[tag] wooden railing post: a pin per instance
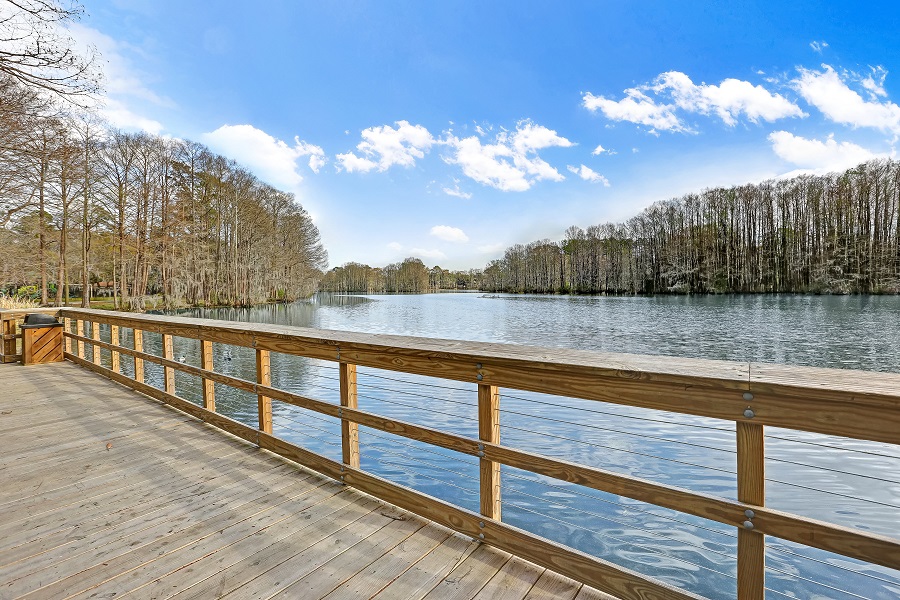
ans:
(751, 480)
(349, 429)
(8, 330)
(138, 362)
(206, 363)
(264, 377)
(114, 340)
(67, 341)
(168, 372)
(95, 335)
(489, 431)
(79, 329)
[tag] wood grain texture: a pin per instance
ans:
(79, 330)
(831, 401)
(138, 362)
(349, 429)
(209, 388)
(114, 342)
(67, 328)
(95, 336)
(168, 371)
(751, 480)
(489, 431)
(264, 377)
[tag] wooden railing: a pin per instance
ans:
(837, 402)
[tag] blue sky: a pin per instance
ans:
(450, 130)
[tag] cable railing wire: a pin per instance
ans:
(628, 525)
(620, 505)
(615, 414)
(830, 447)
(595, 445)
(635, 544)
(819, 583)
(597, 427)
(782, 550)
(434, 385)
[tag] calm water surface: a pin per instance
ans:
(845, 481)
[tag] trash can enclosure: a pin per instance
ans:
(42, 338)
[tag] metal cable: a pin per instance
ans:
(614, 414)
(812, 489)
(641, 435)
(651, 550)
(416, 382)
(821, 445)
(681, 462)
(824, 585)
(432, 465)
(618, 504)
(454, 415)
(630, 526)
(441, 481)
(370, 431)
(800, 464)
(820, 561)
(375, 387)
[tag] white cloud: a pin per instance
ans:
(636, 107)
(396, 246)
(423, 253)
(383, 147)
(511, 163)
(829, 92)
(818, 46)
(675, 91)
(271, 159)
(491, 248)
(589, 174)
(456, 192)
(449, 234)
(601, 150)
(820, 156)
(121, 117)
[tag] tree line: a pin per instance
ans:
(837, 233)
(82, 203)
(832, 234)
(410, 276)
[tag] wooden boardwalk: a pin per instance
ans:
(105, 493)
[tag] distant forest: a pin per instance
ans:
(830, 234)
(136, 216)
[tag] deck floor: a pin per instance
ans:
(106, 493)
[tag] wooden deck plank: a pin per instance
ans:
(344, 566)
(246, 551)
(380, 573)
(243, 572)
(140, 526)
(472, 574)
(178, 509)
(425, 574)
(512, 582)
(553, 586)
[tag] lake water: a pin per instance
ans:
(845, 481)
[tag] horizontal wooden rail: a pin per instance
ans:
(836, 402)
(830, 401)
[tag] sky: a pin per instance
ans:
(449, 130)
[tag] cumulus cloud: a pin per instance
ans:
(424, 253)
(818, 155)
(589, 174)
(385, 146)
(601, 150)
(449, 234)
(656, 104)
(511, 162)
(121, 117)
(830, 93)
(271, 159)
(818, 46)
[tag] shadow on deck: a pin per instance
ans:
(107, 493)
